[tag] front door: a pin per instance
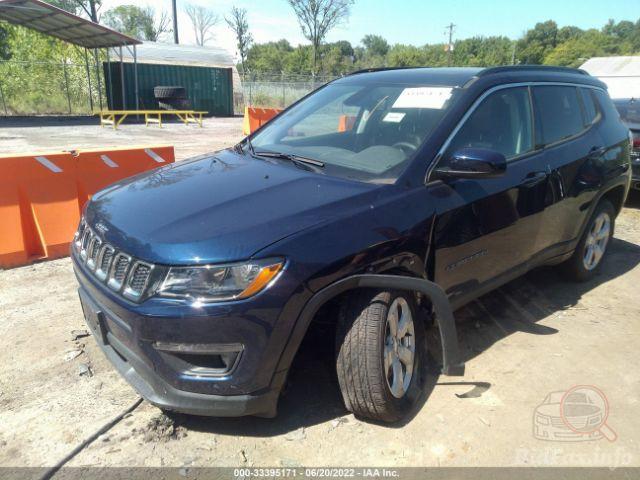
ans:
(486, 228)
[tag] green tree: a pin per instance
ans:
(269, 57)
(319, 17)
(137, 22)
(237, 21)
(90, 8)
(375, 45)
(537, 42)
(483, 51)
(406, 56)
(5, 51)
(575, 51)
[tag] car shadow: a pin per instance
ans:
(312, 395)
(633, 200)
(520, 305)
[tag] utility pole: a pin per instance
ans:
(175, 22)
(450, 27)
(513, 53)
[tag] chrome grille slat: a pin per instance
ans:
(121, 272)
(92, 252)
(104, 262)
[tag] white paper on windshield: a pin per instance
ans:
(423, 97)
(394, 117)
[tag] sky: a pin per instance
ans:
(414, 22)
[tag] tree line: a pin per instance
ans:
(545, 43)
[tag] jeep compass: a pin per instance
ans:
(393, 196)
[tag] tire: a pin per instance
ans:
(578, 267)
(169, 92)
(363, 335)
(182, 104)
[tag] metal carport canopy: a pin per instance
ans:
(50, 20)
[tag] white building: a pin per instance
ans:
(621, 74)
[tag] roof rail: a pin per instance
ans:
(380, 69)
(543, 68)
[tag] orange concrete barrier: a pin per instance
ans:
(42, 195)
(98, 168)
(254, 118)
(38, 207)
(346, 123)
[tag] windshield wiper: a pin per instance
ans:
(238, 146)
(297, 159)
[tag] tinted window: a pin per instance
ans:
(559, 113)
(502, 123)
(590, 110)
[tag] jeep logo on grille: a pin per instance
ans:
(101, 227)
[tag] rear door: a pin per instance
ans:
(486, 227)
(566, 115)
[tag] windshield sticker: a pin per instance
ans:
(394, 117)
(423, 97)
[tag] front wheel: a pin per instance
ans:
(592, 247)
(380, 354)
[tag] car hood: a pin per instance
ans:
(218, 208)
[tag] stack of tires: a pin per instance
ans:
(172, 98)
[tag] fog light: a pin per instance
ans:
(201, 360)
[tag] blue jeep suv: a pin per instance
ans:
(394, 196)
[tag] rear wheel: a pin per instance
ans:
(380, 354)
(590, 252)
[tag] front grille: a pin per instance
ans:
(122, 273)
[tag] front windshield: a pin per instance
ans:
(365, 131)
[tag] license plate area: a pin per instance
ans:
(94, 318)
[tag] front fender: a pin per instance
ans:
(452, 363)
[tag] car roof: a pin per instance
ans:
(460, 76)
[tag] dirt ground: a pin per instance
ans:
(534, 336)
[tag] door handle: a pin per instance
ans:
(597, 152)
(533, 178)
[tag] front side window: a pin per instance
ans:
(559, 113)
(364, 131)
(502, 122)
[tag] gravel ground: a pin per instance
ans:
(533, 336)
(46, 135)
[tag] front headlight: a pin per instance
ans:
(215, 283)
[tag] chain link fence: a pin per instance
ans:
(42, 88)
(275, 90)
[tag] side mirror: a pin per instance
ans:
(473, 163)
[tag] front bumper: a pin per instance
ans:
(160, 393)
(130, 335)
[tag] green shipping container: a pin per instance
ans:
(210, 89)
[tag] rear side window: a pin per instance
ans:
(607, 106)
(502, 122)
(559, 113)
(590, 110)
